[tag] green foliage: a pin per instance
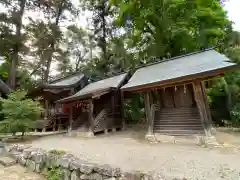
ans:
(235, 115)
(57, 152)
(54, 173)
(19, 112)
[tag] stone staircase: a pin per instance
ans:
(178, 121)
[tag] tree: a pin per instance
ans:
(169, 28)
(12, 21)
(19, 112)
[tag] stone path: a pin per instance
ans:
(11, 171)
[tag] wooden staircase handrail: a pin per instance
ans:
(100, 117)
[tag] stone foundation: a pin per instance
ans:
(194, 140)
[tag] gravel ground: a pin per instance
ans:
(127, 151)
(18, 172)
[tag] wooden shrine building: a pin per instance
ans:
(99, 105)
(55, 115)
(175, 97)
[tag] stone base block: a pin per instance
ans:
(165, 138)
(150, 137)
(90, 134)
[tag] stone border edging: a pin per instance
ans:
(73, 168)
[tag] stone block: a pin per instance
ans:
(95, 176)
(30, 165)
(67, 174)
(132, 176)
(10, 148)
(76, 164)
(7, 161)
(15, 154)
(84, 177)
(51, 160)
(107, 170)
(66, 160)
(75, 175)
(22, 160)
(39, 157)
(111, 178)
(39, 167)
(27, 152)
(165, 138)
(87, 168)
(146, 177)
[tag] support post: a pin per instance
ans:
(113, 124)
(201, 106)
(70, 114)
(90, 117)
(122, 110)
(148, 114)
(207, 107)
(45, 114)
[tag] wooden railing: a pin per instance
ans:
(100, 122)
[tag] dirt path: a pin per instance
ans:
(126, 151)
(17, 172)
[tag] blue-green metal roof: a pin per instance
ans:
(179, 67)
(98, 87)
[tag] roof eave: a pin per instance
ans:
(205, 75)
(85, 96)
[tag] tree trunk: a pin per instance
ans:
(104, 44)
(52, 45)
(14, 61)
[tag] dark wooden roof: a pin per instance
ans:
(68, 81)
(4, 88)
(97, 88)
(188, 67)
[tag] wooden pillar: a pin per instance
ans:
(201, 106)
(70, 118)
(122, 110)
(45, 114)
(90, 118)
(70, 113)
(113, 124)
(206, 104)
(148, 113)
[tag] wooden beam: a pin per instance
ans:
(201, 106)
(90, 118)
(148, 112)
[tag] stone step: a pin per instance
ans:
(7, 161)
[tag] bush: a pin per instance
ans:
(235, 115)
(54, 173)
(19, 113)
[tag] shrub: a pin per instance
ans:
(54, 173)
(19, 113)
(235, 115)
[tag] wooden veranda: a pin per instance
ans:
(99, 105)
(175, 95)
